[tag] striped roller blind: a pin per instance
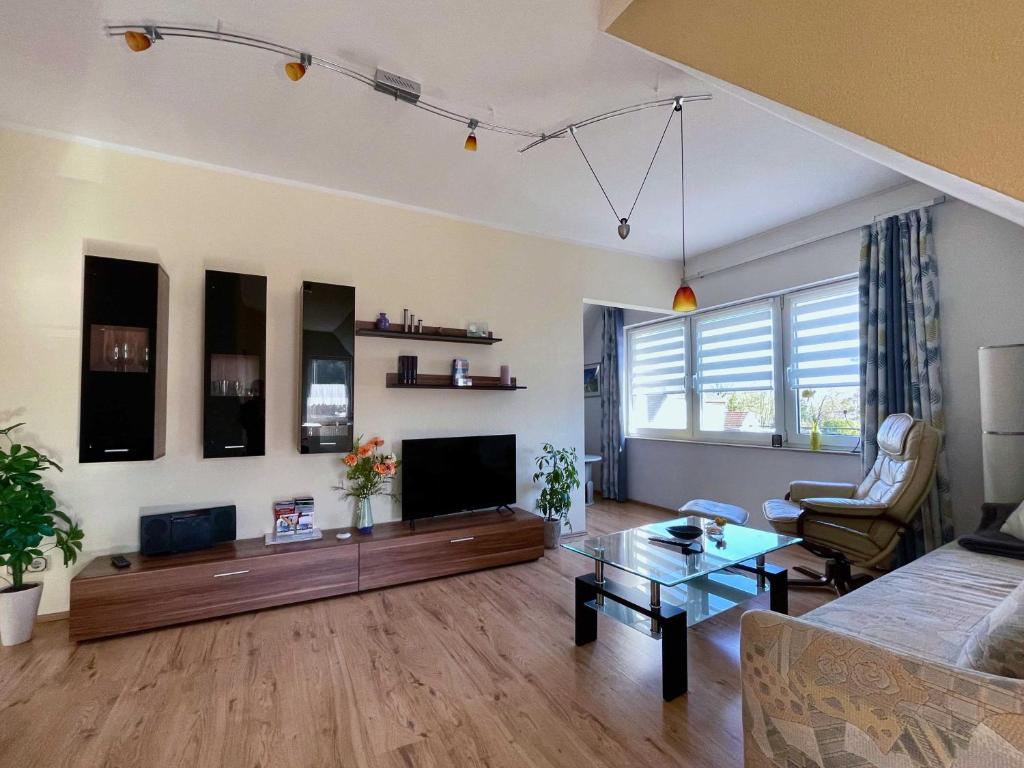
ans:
(658, 359)
(734, 350)
(826, 340)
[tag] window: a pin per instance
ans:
(777, 365)
(735, 370)
(824, 365)
(657, 379)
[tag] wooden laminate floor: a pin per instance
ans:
(471, 670)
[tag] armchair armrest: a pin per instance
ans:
(844, 507)
(803, 682)
(805, 489)
(994, 514)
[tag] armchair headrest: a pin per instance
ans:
(893, 433)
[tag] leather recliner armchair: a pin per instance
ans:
(861, 524)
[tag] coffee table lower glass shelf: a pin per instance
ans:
(682, 589)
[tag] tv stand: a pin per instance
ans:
(507, 509)
(246, 575)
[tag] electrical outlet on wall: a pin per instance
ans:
(39, 564)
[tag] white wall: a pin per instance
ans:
(981, 271)
(58, 198)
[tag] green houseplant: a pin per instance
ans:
(557, 468)
(28, 517)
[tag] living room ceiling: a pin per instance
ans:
(533, 64)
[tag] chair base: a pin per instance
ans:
(837, 577)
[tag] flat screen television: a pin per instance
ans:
(454, 474)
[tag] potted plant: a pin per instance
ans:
(369, 474)
(557, 467)
(28, 516)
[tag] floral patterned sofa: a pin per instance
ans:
(888, 675)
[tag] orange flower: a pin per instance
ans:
(350, 460)
(380, 469)
(390, 467)
(377, 441)
(365, 450)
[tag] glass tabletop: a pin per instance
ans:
(634, 552)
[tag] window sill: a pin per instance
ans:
(796, 448)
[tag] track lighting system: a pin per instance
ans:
(141, 37)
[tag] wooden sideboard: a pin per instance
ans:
(247, 575)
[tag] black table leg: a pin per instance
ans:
(673, 657)
(778, 589)
(586, 617)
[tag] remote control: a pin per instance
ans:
(120, 561)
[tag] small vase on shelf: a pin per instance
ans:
(364, 515)
(382, 322)
(815, 438)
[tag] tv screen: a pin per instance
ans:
(455, 474)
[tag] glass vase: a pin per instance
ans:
(815, 438)
(364, 515)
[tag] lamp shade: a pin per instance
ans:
(1001, 380)
(685, 299)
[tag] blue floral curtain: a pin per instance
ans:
(613, 436)
(901, 361)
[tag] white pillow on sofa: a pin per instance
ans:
(1014, 524)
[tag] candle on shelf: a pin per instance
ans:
(506, 376)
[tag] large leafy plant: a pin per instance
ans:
(557, 467)
(28, 512)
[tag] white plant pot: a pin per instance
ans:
(18, 614)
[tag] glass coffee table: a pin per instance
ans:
(683, 589)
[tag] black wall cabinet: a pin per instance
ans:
(234, 406)
(328, 356)
(124, 361)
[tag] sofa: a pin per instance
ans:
(912, 669)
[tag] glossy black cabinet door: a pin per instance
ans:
(328, 358)
(124, 361)
(234, 375)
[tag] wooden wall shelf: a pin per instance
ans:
(430, 333)
(444, 381)
(246, 575)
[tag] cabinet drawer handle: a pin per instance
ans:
(116, 450)
(230, 573)
(464, 538)
(228, 447)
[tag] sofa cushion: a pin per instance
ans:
(1014, 525)
(996, 644)
(928, 607)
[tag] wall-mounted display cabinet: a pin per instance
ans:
(234, 371)
(123, 402)
(328, 358)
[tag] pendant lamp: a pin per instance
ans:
(685, 299)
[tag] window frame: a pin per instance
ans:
(793, 436)
(665, 434)
(787, 405)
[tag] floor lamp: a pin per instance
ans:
(1001, 372)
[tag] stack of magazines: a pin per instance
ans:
(293, 521)
(407, 365)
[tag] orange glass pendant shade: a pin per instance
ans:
(470, 145)
(137, 41)
(295, 70)
(685, 299)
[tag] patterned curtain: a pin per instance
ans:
(613, 436)
(900, 358)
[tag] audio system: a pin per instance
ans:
(185, 531)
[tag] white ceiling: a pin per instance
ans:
(532, 63)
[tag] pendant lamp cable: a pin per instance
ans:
(650, 165)
(682, 186)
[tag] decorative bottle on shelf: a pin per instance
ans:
(382, 322)
(815, 437)
(364, 515)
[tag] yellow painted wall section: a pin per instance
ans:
(937, 81)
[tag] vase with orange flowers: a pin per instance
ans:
(370, 473)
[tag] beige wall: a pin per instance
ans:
(58, 199)
(935, 81)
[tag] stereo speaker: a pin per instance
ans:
(186, 531)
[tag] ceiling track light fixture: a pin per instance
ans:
(685, 300)
(470, 145)
(296, 70)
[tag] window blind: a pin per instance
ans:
(826, 341)
(658, 359)
(735, 350)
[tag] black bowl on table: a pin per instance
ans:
(685, 532)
